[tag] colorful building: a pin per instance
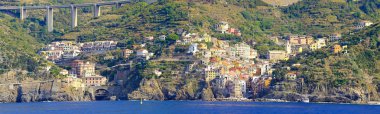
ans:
(337, 48)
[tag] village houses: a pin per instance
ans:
(58, 50)
(68, 49)
(98, 46)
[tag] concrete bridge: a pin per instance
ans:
(74, 10)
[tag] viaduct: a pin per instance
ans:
(74, 10)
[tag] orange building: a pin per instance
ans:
(337, 48)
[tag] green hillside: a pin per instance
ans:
(18, 49)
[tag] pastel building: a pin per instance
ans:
(363, 24)
(193, 48)
(127, 53)
(222, 26)
(276, 55)
(335, 37)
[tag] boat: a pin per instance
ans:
(141, 102)
(305, 100)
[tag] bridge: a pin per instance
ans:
(98, 92)
(74, 10)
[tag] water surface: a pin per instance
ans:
(183, 107)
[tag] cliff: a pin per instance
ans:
(35, 91)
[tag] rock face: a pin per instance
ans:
(153, 89)
(208, 95)
(40, 91)
(344, 94)
(149, 89)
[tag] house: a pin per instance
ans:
(149, 38)
(193, 48)
(71, 54)
(52, 55)
(95, 80)
(297, 49)
(98, 46)
(318, 44)
(222, 26)
(293, 39)
(157, 72)
(363, 24)
(74, 82)
(64, 72)
(253, 54)
(62, 45)
(143, 53)
(291, 76)
(211, 72)
(337, 48)
(206, 37)
(243, 85)
(242, 50)
(300, 40)
(233, 31)
(335, 37)
(81, 68)
(86, 71)
(237, 93)
(276, 55)
(162, 37)
(127, 53)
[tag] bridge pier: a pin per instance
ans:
(118, 5)
(23, 13)
(74, 16)
(96, 10)
(49, 18)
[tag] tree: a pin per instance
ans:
(173, 37)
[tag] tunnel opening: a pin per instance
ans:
(101, 94)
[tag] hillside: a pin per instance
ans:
(18, 49)
(352, 75)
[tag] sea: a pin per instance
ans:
(184, 107)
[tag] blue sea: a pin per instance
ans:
(183, 107)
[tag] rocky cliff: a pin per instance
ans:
(36, 91)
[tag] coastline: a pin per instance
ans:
(216, 100)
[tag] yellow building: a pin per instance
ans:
(210, 75)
